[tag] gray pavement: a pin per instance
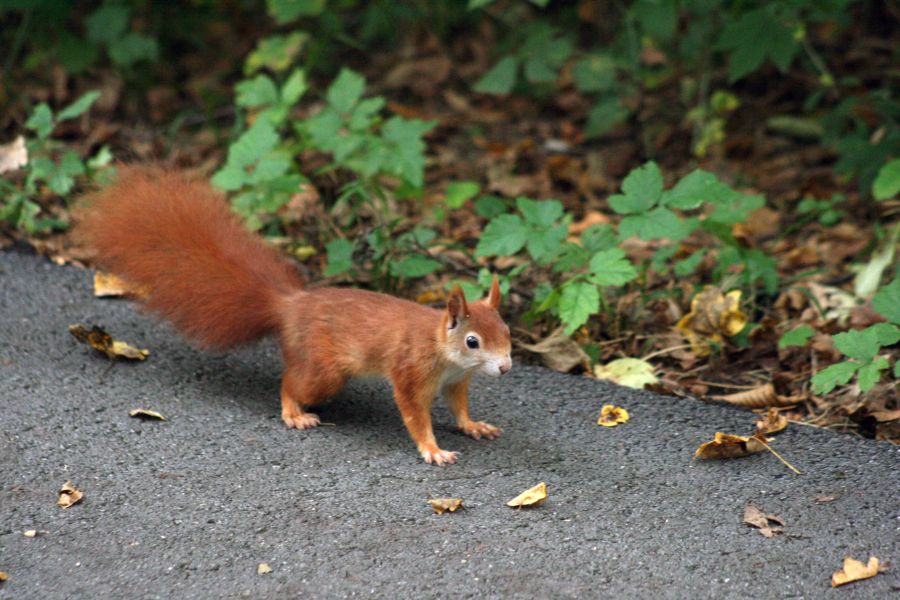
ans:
(190, 507)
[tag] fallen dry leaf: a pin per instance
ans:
(101, 341)
(442, 505)
(13, 155)
(772, 422)
(531, 497)
(68, 495)
(757, 518)
(630, 372)
(712, 316)
(263, 568)
(30, 533)
(610, 416)
(4, 576)
(824, 499)
(854, 570)
(107, 285)
(143, 413)
(758, 397)
(560, 352)
(725, 445)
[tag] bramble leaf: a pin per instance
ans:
(500, 79)
(641, 190)
(837, 374)
(340, 257)
(870, 374)
(78, 107)
(503, 236)
(887, 183)
(578, 301)
(887, 301)
(611, 267)
(796, 337)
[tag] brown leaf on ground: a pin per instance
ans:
(757, 518)
(143, 413)
(442, 505)
(854, 570)
(560, 352)
(107, 285)
(712, 316)
(13, 155)
(824, 499)
(263, 568)
(68, 495)
(102, 342)
(725, 445)
(759, 397)
(772, 422)
(3, 576)
(530, 498)
(610, 416)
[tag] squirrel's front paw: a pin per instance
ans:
(439, 457)
(302, 420)
(480, 429)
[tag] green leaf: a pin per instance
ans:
(285, 11)
(687, 266)
(864, 344)
(276, 52)
(611, 267)
(571, 257)
(505, 235)
(133, 47)
(102, 158)
(757, 34)
(837, 374)
(693, 190)
(107, 23)
(346, 90)
(870, 374)
(761, 266)
(641, 190)
(656, 18)
(78, 107)
(596, 73)
(887, 301)
(735, 208)
(599, 237)
(544, 243)
(474, 4)
(340, 257)
(41, 120)
(259, 91)
(605, 114)
(897, 369)
(294, 87)
(253, 144)
(407, 150)
(578, 301)
(659, 223)
(542, 213)
(414, 266)
(459, 192)
(500, 79)
(489, 207)
(796, 337)
(887, 183)
(230, 178)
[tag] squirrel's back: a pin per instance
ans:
(177, 239)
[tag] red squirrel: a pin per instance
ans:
(176, 238)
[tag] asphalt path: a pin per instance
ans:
(190, 507)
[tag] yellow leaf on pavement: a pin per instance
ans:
(442, 505)
(68, 495)
(630, 372)
(610, 416)
(712, 316)
(854, 570)
(530, 497)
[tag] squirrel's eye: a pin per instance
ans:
(472, 342)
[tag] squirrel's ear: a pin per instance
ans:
(493, 297)
(456, 306)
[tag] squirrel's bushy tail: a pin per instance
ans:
(177, 239)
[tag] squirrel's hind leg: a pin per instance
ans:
(303, 387)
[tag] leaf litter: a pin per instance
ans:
(854, 570)
(611, 415)
(443, 505)
(530, 498)
(102, 342)
(757, 518)
(69, 495)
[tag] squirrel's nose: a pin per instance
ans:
(505, 367)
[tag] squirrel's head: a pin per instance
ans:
(477, 338)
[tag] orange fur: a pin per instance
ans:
(221, 286)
